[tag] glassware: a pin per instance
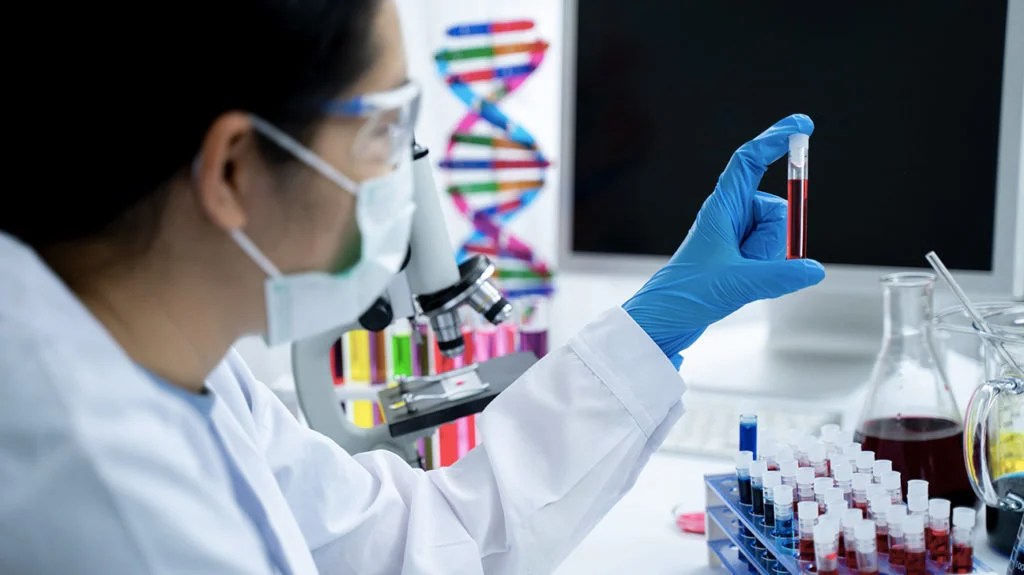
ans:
(994, 445)
(910, 416)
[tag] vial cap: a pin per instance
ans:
(891, 480)
(757, 468)
(805, 475)
(768, 451)
(964, 517)
(824, 531)
(783, 452)
(851, 448)
(817, 452)
(788, 467)
(850, 517)
(861, 481)
(783, 494)
(896, 514)
(842, 471)
(772, 479)
(748, 417)
(834, 494)
(914, 525)
(807, 510)
(917, 504)
(798, 144)
(864, 530)
(881, 466)
(876, 491)
(821, 484)
(865, 459)
(743, 459)
(938, 508)
(917, 487)
(830, 432)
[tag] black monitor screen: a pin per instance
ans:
(905, 96)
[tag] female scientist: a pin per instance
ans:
(207, 170)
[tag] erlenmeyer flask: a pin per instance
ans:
(910, 416)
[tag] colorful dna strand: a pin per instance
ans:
(494, 166)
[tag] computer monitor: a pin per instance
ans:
(919, 115)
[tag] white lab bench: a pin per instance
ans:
(639, 535)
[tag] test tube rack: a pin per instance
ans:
(760, 553)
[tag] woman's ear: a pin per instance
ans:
(226, 162)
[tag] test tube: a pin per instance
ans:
(913, 540)
(860, 484)
(936, 535)
(796, 244)
(879, 467)
(748, 433)
(808, 512)
(867, 552)
(772, 479)
(743, 459)
(817, 457)
(850, 450)
(896, 515)
(804, 485)
(865, 462)
(784, 531)
(963, 540)
(803, 450)
(843, 475)
(757, 487)
(893, 486)
(880, 513)
(820, 485)
(784, 452)
(788, 469)
(850, 519)
(769, 454)
(917, 487)
(834, 500)
(826, 552)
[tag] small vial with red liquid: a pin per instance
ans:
(796, 238)
(788, 469)
(743, 460)
(867, 553)
(897, 545)
(861, 481)
(830, 435)
(879, 512)
(913, 536)
(769, 454)
(826, 551)
(917, 488)
(818, 458)
(804, 486)
(834, 501)
(820, 485)
(917, 506)
(963, 541)
(936, 537)
(808, 511)
(803, 449)
(849, 521)
(842, 472)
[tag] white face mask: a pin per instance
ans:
(306, 304)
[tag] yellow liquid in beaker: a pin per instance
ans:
(1007, 454)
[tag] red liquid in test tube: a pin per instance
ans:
(938, 546)
(963, 559)
(897, 555)
(915, 563)
(796, 238)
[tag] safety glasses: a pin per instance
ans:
(390, 119)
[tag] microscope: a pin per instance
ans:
(431, 286)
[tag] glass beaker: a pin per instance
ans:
(910, 416)
(994, 445)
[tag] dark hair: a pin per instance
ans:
(118, 102)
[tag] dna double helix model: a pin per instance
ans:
(494, 168)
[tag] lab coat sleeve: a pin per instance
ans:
(560, 447)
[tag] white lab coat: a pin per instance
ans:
(103, 470)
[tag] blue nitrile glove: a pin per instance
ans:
(734, 254)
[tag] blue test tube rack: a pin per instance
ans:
(759, 553)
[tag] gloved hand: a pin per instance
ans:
(734, 253)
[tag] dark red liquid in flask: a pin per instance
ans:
(796, 237)
(922, 448)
